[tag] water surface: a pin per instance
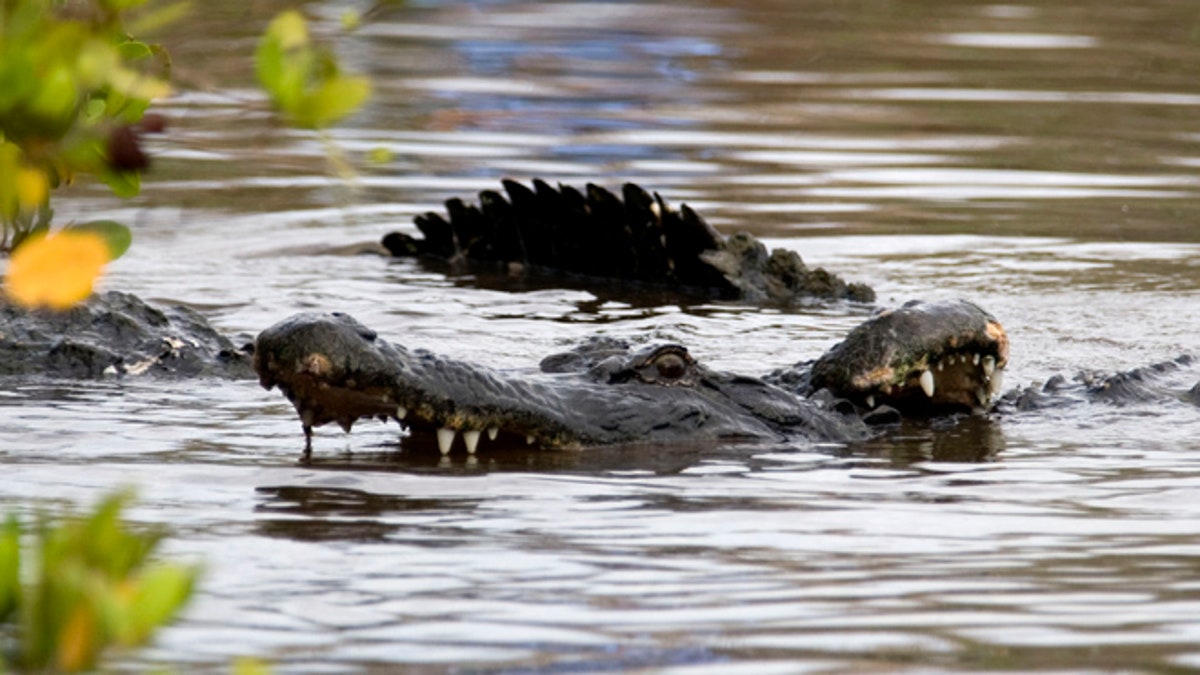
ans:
(1042, 159)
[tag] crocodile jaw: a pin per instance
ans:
(922, 357)
(334, 369)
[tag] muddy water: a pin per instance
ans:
(1042, 159)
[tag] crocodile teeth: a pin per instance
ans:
(445, 440)
(493, 432)
(401, 412)
(982, 395)
(995, 383)
(529, 439)
(871, 401)
(927, 383)
(989, 365)
(975, 359)
(472, 439)
(941, 365)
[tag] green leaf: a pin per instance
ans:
(283, 60)
(17, 80)
(268, 64)
(335, 99)
(93, 109)
(121, 5)
(115, 235)
(159, 595)
(54, 102)
(10, 164)
(303, 80)
(158, 17)
(123, 184)
(132, 50)
(10, 567)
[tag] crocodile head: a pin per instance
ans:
(334, 369)
(923, 357)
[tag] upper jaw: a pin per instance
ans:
(335, 370)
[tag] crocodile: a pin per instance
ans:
(595, 239)
(114, 334)
(1154, 383)
(922, 357)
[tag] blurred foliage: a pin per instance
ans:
(81, 585)
(303, 79)
(56, 270)
(74, 88)
(72, 84)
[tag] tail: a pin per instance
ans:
(639, 239)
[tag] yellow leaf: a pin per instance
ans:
(289, 29)
(77, 640)
(351, 20)
(135, 85)
(248, 666)
(32, 188)
(380, 155)
(55, 271)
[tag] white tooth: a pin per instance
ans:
(982, 395)
(927, 383)
(493, 432)
(871, 401)
(975, 359)
(401, 412)
(472, 439)
(445, 440)
(529, 439)
(941, 365)
(989, 365)
(996, 382)
(950, 360)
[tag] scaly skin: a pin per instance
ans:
(115, 334)
(922, 357)
(637, 241)
(334, 369)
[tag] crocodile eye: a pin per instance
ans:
(670, 366)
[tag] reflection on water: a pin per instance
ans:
(1040, 158)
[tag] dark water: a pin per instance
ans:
(1042, 159)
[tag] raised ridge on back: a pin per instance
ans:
(636, 238)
